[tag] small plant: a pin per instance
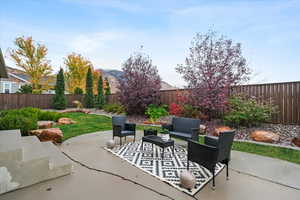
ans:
(155, 112)
(114, 108)
(248, 112)
(78, 91)
(190, 111)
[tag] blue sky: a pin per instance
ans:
(108, 31)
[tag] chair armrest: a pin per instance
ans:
(130, 126)
(211, 141)
(195, 134)
(167, 126)
(201, 153)
(117, 129)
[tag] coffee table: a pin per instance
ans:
(153, 139)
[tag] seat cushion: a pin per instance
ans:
(180, 135)
(185, 125)
(125, 133)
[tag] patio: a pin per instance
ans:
(95, 170)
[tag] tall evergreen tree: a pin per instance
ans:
(89, 96)
(100, 97)
(59, 99)
(107, 88)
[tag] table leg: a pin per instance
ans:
(163, 153)
(142, 146)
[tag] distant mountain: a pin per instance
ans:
(115, 75)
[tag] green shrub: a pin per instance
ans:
(89, 96)
(190, 111)
(155, 112)
(19, 119)
(25, 119)
(114, 108)
(25, 89)
(48, 115)
(248, 112)
(78, 90)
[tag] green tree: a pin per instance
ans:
(25, 89)
(107, 88)
(100, 97)
(59, 99)
(89, 96)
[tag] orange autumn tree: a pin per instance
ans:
(31, 57)
(76, 70)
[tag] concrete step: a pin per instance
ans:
(33, 149)
(10, 145)
(59, 164)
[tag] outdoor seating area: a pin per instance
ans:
(149, 100)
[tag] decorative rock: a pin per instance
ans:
(264, 136)
(50, 134)
(64, 120)
(296, 141)
(187, 180)
(203, 129)
(220, 129)
(78, 104)
(110, 144)
(45, 124)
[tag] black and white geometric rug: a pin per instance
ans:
(168, 169)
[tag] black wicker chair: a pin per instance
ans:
(121, 128)
(213, 150)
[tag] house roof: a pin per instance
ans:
(3, 73)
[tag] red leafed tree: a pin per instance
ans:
(213, 65)
(140, 84)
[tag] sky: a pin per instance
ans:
(107, 32)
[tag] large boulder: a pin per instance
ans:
(264, 136)
(296, 141)
(50, 134)
(220, 129)
(45, 124)
(65, 120)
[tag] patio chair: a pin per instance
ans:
(121, 128)
(213, 150)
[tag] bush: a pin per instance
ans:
(48, 115)
(155, 112)
(25, 119)
(25, 89)
(114, 108)
(191, 111)
(19, 119)
(78, 91)
(175, 109)
(248, 112)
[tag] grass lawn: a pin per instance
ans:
(290, 155)
(85, 123)
(88, 123)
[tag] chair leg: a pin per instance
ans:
(213, 183)
(227, 172)
(134, 138)
(125, 138)
(188, 165)
(120, 141)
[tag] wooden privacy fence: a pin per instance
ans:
(44, 101)
(286, 96)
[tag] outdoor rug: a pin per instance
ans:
(168, 169)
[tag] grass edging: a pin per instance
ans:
(269, 150)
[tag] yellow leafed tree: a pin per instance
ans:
(76, 70)
(31, 57)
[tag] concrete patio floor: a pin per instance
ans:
(251, 177)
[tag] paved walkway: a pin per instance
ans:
(99, 175)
